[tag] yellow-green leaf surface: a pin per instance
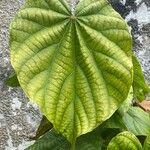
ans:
(125, 141)
(77, 66)
(125, 106)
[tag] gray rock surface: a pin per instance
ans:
(20, 118)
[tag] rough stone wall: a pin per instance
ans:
(20, 118)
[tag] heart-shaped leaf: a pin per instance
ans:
(76, 64)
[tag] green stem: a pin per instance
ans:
(73, 145)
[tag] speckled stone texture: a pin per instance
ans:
(19, 118)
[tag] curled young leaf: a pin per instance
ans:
(77, 66)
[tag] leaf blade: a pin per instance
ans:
(76, 84)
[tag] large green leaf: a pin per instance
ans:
(137, 121)
(125, 141)
(140, 87)
(77, 66)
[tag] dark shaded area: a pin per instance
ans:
(142, 139)
(43, 128)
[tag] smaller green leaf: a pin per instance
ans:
(147, 143)
(44, 127)
(137, 121)
(12, 81)
(140, 87)
(125, 141)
